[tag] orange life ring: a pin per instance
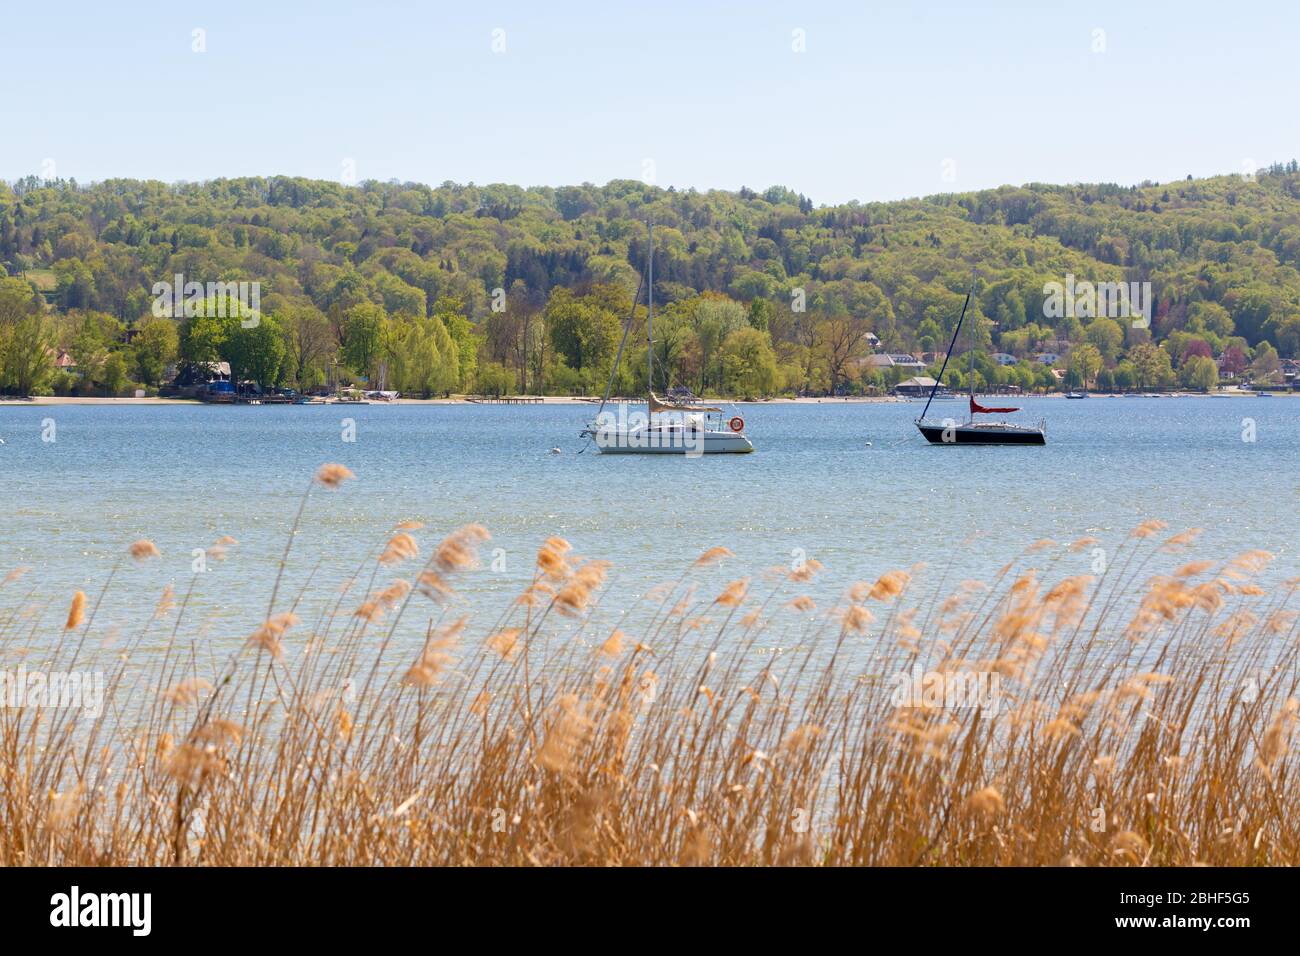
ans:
(737, 424)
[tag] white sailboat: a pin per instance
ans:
(681, 428)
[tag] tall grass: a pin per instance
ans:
(1138, 719)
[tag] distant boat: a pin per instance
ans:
(1076, 394)
(972, 432)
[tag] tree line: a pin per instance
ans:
(464, 288)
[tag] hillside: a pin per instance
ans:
(500, 288)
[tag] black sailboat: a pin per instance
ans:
(973, 431)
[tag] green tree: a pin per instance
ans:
(203, 338)
(1126, 375)
(27, 362)
(1265, 365)
(364, 331)
(309, 343)
(76, 284)
(17, 301)
(114, 378)
(95, 340)
(155, 345)
(1199, 372)
(494, 379)
(399, 296)
(1085, 363)
(26, 342)
(714, 317)
(1107, 337)
(1285, 334)
(1151, 365)
(749, 364)
(451, 312)
(582, 332)
(1210, 317)
(760, 314)
(256, 351)
(842, 340)
(427, 360)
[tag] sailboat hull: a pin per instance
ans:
(669, 440)
(990, 434)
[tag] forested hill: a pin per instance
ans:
(1221, 255)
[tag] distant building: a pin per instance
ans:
(894, 360)
(1004, 358)
(1225, 363)
(1047, 358)
(63, 360)
(193, 379)
(871, 339)
(917, 387)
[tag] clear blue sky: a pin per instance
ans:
(713, 93)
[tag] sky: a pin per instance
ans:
(840, 101)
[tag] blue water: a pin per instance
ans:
(183, 476)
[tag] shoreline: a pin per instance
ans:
(53, 400)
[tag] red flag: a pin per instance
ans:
(977, 409)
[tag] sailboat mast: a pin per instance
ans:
(952, 343)
(971, 348)
(650, 314)
(971, 414)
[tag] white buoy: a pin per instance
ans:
(868, 444)
(555, 451)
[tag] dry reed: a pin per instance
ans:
(1136, 719)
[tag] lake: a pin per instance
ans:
(183, 476)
